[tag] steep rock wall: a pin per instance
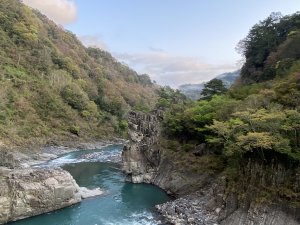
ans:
(144, 161)
(265, 193)
(141, 157)
(264, 215)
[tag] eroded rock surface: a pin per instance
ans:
(211, 206)
(141, 156)
(199, 208)
(30, 192)
(144, 162)
(264, 215)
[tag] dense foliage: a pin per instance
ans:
(272, 43)
(261, 118)
(52, 86)
(265, 120)
(211, 88)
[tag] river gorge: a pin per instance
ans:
(92, 184)
(119, 203)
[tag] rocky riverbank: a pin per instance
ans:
(198, 208)
(213, 206)
(27, 191)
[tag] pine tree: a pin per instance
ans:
(211, 88)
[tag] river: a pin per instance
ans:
(122, 203)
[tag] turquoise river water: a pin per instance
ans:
(121, 204)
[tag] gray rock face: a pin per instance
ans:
(141, 157)
(264, 215)
(199, 208)
(29, 192)
(253, 175)
(144, 162)
(210, 206)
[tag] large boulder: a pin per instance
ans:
(29, 192)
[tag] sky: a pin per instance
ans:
(174, 41)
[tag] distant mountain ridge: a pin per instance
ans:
(193, 91)
(229, 78)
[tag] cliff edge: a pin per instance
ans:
(145, 161)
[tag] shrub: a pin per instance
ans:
(75, 97)
(74, 129)
(123, 125)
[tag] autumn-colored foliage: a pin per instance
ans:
(52, 84)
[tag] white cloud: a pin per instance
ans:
(174, 70)
(60, 11)
(93, 41)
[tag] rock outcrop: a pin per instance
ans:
(141, 157)
(265, 194)
(215, 204)
(264, 215)
(144, 162)
(202, 207)
(211, 206)
(29, 192)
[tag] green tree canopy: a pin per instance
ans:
(263, 39)
(259, 130)
(213, 87)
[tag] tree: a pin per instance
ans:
(259, 130)
(75, 97)
(263, 39)
(213, 87)
(190, 121)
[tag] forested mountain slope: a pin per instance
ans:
(51, 86)
(270, 47)
(251, 132)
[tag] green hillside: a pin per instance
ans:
(52, 87)
(257, 120)
(266, 109)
